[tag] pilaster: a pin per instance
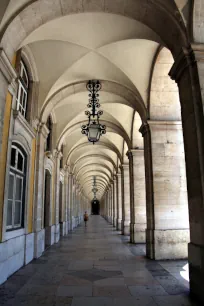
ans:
(126, 200)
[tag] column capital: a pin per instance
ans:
(119, 175)
(144, 129)
(57, 154)
(135, 152)
(129, 154)
(114, 177)
(185, 59)
(42, 129)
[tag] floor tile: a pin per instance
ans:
(94, 301)
(135, 301)
(111, 291)
(150, 290)
(73, 291)
(97, 267)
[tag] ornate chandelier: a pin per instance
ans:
(94, 190)
(93, 129)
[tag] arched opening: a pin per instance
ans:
(127, 41)
(47, 208)
(95, 207)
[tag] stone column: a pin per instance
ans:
(39, 247)
(126, 200)
(132, 198)
(66, 198)
(188, 71)
(58, 156)
(70, 201)
(115, 201)
(112, 201)
(137, 196)
(109, 205)
(106, 205)
(167, 205)
(119, 202)
(73, 203)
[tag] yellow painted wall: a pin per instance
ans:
(3, 156)
(31, 187)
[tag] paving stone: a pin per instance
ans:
(94, 301)
(150, 290)
(41, 290)
(111, 291)
(73, 291)
(178, 300)
(97, 268)
(110, 282)
(69, 280)
(172, 285)
(135, 301)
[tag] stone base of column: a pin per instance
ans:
(73, 223)
(196, 271)
(29, 247)
(114, 221)
(140, 236)
(66, 227)
(39, 241)
(49, 235)
(119, 225)
(139, 233)
(110, 219)
(167, 244)
(62, 228)
(57, 233)
(125, 227)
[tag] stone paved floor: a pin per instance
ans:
(96, 266)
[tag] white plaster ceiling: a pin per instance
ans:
(80, 47)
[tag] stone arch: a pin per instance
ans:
(133, 99)
(109, 127)
(93, 164)
(109, 146)
(96, 155)
(40, 12)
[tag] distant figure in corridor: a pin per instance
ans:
(86, 218)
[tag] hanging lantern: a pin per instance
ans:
(93, 130)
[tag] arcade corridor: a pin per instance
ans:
(96, 266)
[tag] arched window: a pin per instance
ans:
(16, 188)
(23, 87)
(62, 160)
(49, 137)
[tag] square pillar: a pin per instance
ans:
(137, 196)
(126, 200)
(188, 72)
(119, 202)
(167, 204)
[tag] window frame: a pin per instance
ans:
(17, 174)
(23, 89)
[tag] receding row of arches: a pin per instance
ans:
(148, 166)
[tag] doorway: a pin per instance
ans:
(95, 204)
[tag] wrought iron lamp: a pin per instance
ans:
(94, 129)
(94, 190)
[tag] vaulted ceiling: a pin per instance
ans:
(70, 50)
